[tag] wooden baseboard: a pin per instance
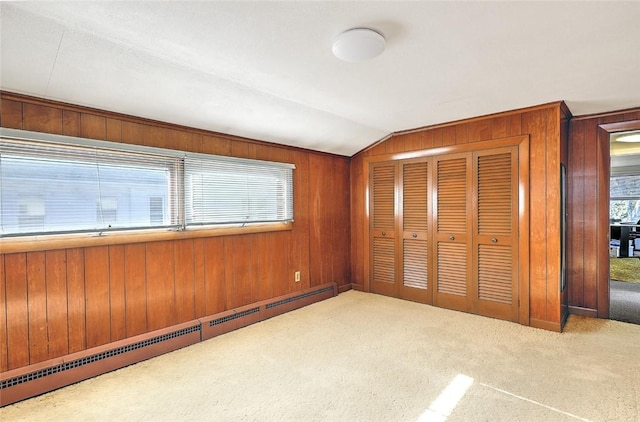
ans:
(358, 287)
(585, 312)
(545, 325)
(344, 288)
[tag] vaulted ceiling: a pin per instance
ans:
(265, 69)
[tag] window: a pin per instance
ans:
(67, 185)
(225, 191)
(625, 198)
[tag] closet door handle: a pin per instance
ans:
(414, 235)
(384, 233)
(452, 237)
(494, 240)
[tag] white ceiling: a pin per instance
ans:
(265, 70)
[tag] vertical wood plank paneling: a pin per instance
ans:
(299, 239)
(114, 130)
(603, 175)
(462, 133)
(318, 239)
(117, 292)
(10, 114)
(262, 283)
(590, 201)
(341, 234)
(57, 312)
(534, 123)
(3, 318)
(237, 251)
(427, 139)
(437, 137)
(185, 280)
(448, 135)
(515, 124)
(70, 123)
(161, 295)
(132, 133)
(214, 269)
(37, 294)
(199, 278)
(135, 285)
(240, 149)
(98, 309)
(358, 219)
(575, 182)
(92, 126)
(76, 300)
(280, 267)
(412, 141)
(481, 130)
(17, 310)
(499, 127)
(41, 118)
(552, 117)
(216, 145)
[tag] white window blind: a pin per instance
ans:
(56, 188)
(57, 184)
(226, 190)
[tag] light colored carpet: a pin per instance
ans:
(364, 357)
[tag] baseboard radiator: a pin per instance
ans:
(36, 379)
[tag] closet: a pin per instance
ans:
(444, 230)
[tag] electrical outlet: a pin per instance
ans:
(297, 276)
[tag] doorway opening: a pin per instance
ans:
(624, 227)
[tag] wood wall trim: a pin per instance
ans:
(545, 106)
(585, 312)
(451, 149)
(614, 115)
(84, 240)
(72, 108)
(546, 325)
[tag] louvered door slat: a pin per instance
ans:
(452, 195)
(495, 273)
(415, 228)
(383, 260)
(415, 263)
(383, 197)
(452, 268)
(494, 180)
(414, 185)
(495, 233)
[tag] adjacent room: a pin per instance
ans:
(624, 212)
(415, 211)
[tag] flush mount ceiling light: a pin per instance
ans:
(628, 137)
(358, 45)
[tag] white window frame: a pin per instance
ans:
(182, 156)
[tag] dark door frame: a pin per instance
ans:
(604, 173)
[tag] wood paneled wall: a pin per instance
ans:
(588, 206)
(543, 125)
(57, 302)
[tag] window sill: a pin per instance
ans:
(52, 242)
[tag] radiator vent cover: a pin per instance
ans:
(234, 316)
(95, 358)
(298, 297)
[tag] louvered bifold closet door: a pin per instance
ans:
(452, 211)
(415, 221)
(496, 233)
(383, 228)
